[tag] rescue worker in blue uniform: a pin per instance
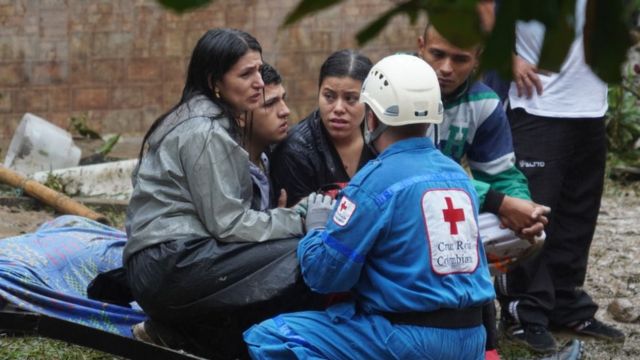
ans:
(402, 238)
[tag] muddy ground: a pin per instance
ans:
(613, 276)
(614, 270)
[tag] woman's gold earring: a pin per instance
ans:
(217, 92)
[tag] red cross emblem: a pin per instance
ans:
(452, 216)
(345, 210)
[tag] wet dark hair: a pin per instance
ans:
(270, 75)
(429, 26)
(213, 56)
(345, 63)
(426, 30)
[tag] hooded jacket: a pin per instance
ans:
(194, 182)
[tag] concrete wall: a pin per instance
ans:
(121, 63)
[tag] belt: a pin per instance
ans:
(442, 318)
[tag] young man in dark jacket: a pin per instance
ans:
(475, 127)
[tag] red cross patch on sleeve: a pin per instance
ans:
(452, 231)
(344, 211)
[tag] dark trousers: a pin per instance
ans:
(209, 292)
(489, 323)
(564, 161)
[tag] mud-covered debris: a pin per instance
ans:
(624, 310)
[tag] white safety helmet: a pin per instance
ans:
(401, 90)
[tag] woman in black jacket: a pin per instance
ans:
(327, 147)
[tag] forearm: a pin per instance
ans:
(324, 268)
(220, 188)
(510, 182)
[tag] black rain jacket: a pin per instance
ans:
(306, 161)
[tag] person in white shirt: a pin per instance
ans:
(558, 127)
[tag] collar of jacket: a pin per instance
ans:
(407, 144)
(323, 140)
(457, 93)
(198, 106)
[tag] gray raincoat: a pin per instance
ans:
(194, 182)
(198, 258)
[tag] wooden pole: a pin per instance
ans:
(59, 201)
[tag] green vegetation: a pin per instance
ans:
(608, 45)
(78, 124)
(607, 35)
(108, 145)
(114, 216)
(509, 350)
(32, 347)
(623, 123)
(55, 182)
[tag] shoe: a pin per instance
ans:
(535, 337)
(572, 350)
(597, 329)
(140, 333)
(155, 333)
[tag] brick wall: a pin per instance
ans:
(122, 63)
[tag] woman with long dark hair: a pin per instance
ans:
(199, 260)
(327, 147)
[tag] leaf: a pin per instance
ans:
(181, 6)
(605, 35)
(371, 30)
(108, 145)
(411, 8)
(606, 38)
(559, 34)
(306, 8)
(499, 47)
(456, 21)
(79, 124)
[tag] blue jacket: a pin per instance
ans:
(403, 236)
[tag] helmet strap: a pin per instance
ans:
(371, 136)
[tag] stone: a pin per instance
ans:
(623, 310)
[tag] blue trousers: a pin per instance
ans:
(341, 333)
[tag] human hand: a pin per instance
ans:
(319, 209)
(535, 233)
(525, 75)
(282, 199)
(486, 14)
(526, 218)
(301, 206)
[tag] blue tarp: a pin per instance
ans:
(48, 272)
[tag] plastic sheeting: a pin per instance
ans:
(48, 272)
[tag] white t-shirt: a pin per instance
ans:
(574, 92)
